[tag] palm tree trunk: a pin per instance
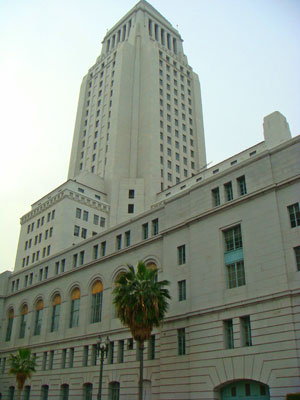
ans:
(19, 393)
(141, 349)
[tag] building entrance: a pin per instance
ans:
(245, 390)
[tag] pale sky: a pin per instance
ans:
(246, 53)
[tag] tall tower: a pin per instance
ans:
(139, 125)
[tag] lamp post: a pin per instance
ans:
(102, 350)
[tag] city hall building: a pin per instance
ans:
(226, 237)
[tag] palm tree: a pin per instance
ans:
(22, 365)
(141, 303)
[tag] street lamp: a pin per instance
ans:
(102, 349)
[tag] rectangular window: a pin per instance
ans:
(127, 238)
(234, 258)
(44, 365)
(181, 341)
(103, 249)
(63, 264)
(181, 254)
(119, 242)
(121, 351)
(228, 334)
(151, 348)
(83, 233)
(241, 182)
(56, 267)
(131, 194)
(145, 231)
(246, 338)
(51, 359)
(96, 219)
(46, 272)
(294, 212)
(64, 358)
(228, 191)
(76, 230)
(95, 252)
(297, 256)
(75, 260)
(94, 355)
(130, 208)
(111, 353)
(81, 259)
(155, 227)
(71, 357)
(78, 212)
(85, 358)
(182, 290)
(215, 197)
(85, 215)
(102, 222)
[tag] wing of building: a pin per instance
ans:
(226, 237)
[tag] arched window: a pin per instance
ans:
(114, 391)
(11, 393)
(97, 294)
(38, 317)
(75, 305)
(26, 393)
(11, 315)
(152, 265)
(87, 391)
(44, 392)
(56, 302)
(64, 392)
(24, 313)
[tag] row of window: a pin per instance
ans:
(165, 38)
(38, 238)
(36, 256)
(87, 392)
(41, 221)
(121, 35)
(228, 191)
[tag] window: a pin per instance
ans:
(114, 391)
(11, 393)
(63, 358)
(85, 358)
(63, 264)
(94, 355)
(241, 182)
(111, 352)
(44, 392)
(51, 359)
(56, 267)
(246, 338)
(228, 191)
(182, 290)
(81, 257)
(56, 302)
(119, 242)
(127, 238)
(71, 357)
(234, 259)
(95, 252)
(75, 259)
(294, 212)
(103, 249)
(102, 222)
(38, 317)
(155, 227)
(181, 341)
(87, 391)
(75, 304)
(297, 255)
(64, 392)
(26, 392)
(96, 219)
(151, 348)
(181, 254)
(83, 233)
(228, 334)
(121, 351)
(130, 208)
(24, 313)
(9, 325)
(45, 356)
(97, 295)
(76, 230)
(215, 197)
(130, 344)
(145, 231)
(85, 215)
(78, 213)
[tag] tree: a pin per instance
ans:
(22, 365)
(141, 303)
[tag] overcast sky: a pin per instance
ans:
(246, 53)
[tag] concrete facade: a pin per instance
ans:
(227, 238)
